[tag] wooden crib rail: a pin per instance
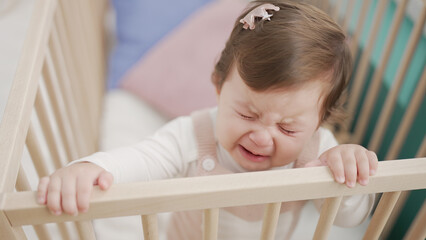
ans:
(148, 198)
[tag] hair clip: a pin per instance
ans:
(259, 11)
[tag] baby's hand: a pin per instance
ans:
(69, 189)
(349, 163)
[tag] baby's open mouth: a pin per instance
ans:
(252, 156)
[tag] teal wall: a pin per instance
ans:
(418, 128)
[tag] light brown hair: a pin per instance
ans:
(299, 44)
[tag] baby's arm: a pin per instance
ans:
(69, 189)
(349, 163)
(164, 155)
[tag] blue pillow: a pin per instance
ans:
(140, 24)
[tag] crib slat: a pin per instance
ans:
(95, 46)
(22, 183)
(46, 124)
(348, 15)
(402, 198)
(270, 221)
(34, 149)
(64, 72)
(364, 63)
(381, 215)
(385, 114)
(76, 33)
(357, 34)
(211, 223)
(51, 82)
(336, 10)
(395, 214)
(422, 149)
(85, 230)
(374, 87)
(408, 119)
(324, 5)
(150, 227)
(328, 213)
(417, 230)
(89, 48)
(74, 84)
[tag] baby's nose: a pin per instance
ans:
(261, 138)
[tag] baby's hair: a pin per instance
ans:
(299, 44)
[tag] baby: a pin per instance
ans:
(280, 76)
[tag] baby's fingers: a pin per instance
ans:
(85, 188)
(350, 166)
(105, 180)
(373, 161)
(335, 164)
(363, 166)
(68, 196)
(54, 195)
(42, 190)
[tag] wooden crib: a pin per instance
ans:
(60, 78)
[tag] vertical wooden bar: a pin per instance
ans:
(62, 120)
(86, 230)
(336, 10)
(348, 16)
(364, 63)
(421, 152)
(46, 125)
(408, 119)
(87, 38)
(328, 214)
(150, 227)
(64, 71)
(358, 32)
(417, 230)
(395, 214)
(72, 59)
(373, 90)
(211, 223)
(22, 184)
(381, 215)
(393, 94)
(76, 34)
(34, 149)
(324, 5)
(270, 221)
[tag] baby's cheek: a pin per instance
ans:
(230, 133)
(288, 151)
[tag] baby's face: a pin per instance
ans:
(267, 129)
